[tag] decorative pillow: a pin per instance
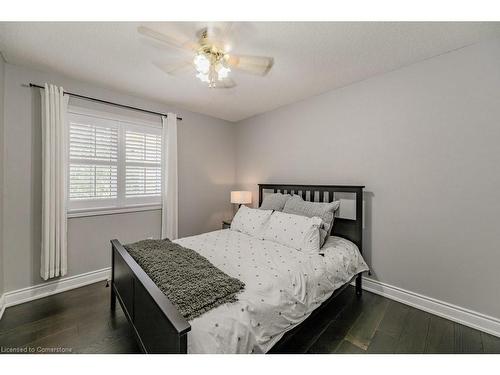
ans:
(250, 221)
(298, 232)
(326, 211)
(274, 201)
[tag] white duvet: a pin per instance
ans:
(282, 287)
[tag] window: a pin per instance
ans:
(142, 164)
(113, 164)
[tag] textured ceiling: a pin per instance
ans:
(310, 58)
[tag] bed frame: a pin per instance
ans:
(157, 325)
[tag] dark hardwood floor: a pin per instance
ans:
(80, 321)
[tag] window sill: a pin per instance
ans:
(111, 210)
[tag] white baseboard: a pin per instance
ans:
(2, 305)
(446, 310)
(63, 284)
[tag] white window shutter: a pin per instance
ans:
(113, 164)
(143, 158)
(93, 156)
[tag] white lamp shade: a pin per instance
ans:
(241, 197)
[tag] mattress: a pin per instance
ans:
(283, 286)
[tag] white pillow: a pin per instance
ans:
(296, 231)
(250, 221)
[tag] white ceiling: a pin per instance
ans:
(310, 58)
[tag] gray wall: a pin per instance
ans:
(206, 176)
(425, 141)
(2, 75)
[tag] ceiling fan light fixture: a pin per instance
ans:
(211, 67)
(201, 63)
(212, 60)
(223, 72)
(203, 77)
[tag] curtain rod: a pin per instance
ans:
(105, 102)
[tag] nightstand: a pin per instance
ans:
(226, 224)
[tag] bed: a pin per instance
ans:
(284, 286)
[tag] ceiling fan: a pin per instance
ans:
(211, 59)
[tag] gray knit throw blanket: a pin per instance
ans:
(190, 281)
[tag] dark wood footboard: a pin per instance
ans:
(158, 326)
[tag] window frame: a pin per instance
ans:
(121, 204)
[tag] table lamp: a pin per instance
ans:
(241, 197)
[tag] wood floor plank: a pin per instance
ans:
(18, 338)
(363, 330)
(441, 336)
(394, 318)
(124, 345)
(91, 332)
(49, 324)
(383, 343)
(491, 344)
(346, 347)
(467, 340)
(337, 329)
(36, 322)
(62, 303)
(414, 333)
(116, 341)
(62, 340)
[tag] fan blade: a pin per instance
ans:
(227, 36)
(212, 32)
(224, 34)
(226, 83)
(219, 33)
(175, 69)
(259, 65)
(171, 42)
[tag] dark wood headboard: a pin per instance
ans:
(342, 227)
